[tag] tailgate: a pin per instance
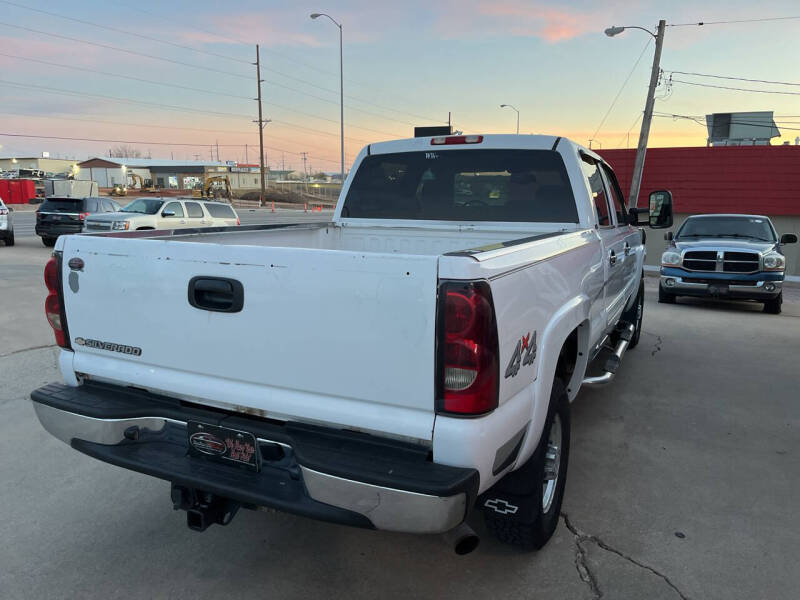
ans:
(343, 338)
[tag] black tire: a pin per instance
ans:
(635, 315)
(49, 242)
(10, 239)
(665, 297)
(529, 527)
(773, 306)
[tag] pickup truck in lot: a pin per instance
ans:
(396, 368)
(725, 256)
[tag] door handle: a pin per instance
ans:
(612, 257)
(217, 294)
(627, 249)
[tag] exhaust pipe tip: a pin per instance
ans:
(462, 539)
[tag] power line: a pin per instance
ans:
(125, 32)
(133, 52)
(124, 100)
(129, 77)
(699, 122)
(53, 90)
(622, 87)
(700, 23)
(148, 143)
(734, 78)
(624, 137)
(724, 87)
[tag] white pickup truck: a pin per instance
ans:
(396, 368)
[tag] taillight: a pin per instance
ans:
(456, 139)
(238, 222)
(468, 363)
(82, 216)
(52, 304)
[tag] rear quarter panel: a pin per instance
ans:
(546, 289)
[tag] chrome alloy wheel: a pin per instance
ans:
(552, 464)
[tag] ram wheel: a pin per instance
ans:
(522, 509)
(665, 297)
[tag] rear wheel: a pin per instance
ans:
(773, 306)
(665, 297)
(49, 241)
(522, 509)
(10, 239)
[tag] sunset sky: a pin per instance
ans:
(406, 63)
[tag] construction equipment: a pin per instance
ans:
(121, 189)
(218, 186)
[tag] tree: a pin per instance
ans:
(320, 175)
(123, 151)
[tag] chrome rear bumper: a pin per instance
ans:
(380, 506)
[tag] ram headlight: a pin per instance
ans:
(120, 225)
(774, 261)
(670, 258)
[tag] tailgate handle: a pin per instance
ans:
(218, 294)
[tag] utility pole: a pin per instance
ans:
(641, 150)
(245, 155)
(260, 128)
(305, 173)
(217, 143)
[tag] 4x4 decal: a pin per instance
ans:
(524, 354)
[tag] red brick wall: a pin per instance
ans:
(734, 179)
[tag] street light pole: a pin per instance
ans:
(515, 110)
(341, 86)
(641, 149)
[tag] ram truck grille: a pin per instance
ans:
(726, 262)
(740, 262)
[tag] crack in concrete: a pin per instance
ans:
(585, 573)
(657, 345)
(26, 350)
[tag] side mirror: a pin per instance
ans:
(660, 209)
(10, 209)
(668, 236)
(786, 238)
(168, 213)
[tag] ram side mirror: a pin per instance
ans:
(168, 213)
(660, 209)
(788, 238)
(668, 236)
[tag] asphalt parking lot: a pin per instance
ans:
(683, 483)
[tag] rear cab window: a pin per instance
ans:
(463, 185)
(220, 211)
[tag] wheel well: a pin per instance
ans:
(568, 358)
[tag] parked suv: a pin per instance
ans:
(6, 224)
(61, 215)
(158, 213)
(725, 256)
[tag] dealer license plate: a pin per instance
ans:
(223, 444)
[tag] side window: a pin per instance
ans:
(194, 210)
(107, 206)
(592, 172)
(174, 207)
(616, 195)
(90, 205)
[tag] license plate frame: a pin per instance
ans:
(223, 444)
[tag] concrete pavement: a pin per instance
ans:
(683, 481)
